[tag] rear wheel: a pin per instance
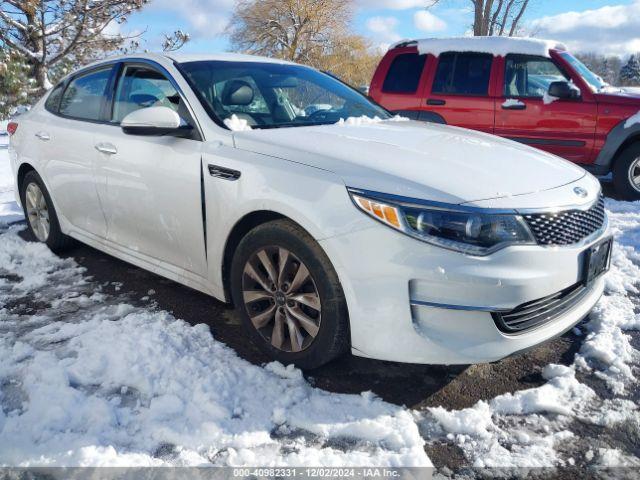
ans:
(288, 295)
(626, 173)
(41, 215)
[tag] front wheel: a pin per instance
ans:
(41, 215)
(626, 173)
(288, 295)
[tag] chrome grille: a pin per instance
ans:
(566, 227)
(539, 312)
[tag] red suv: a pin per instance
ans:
(531, 91)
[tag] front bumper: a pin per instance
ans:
(416, 303)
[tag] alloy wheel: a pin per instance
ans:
(634, 174)
(281, 299)
(37, 212)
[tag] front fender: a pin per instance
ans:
(315, 199)
(617, 137)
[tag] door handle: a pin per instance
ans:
(106, 148)
(44, 136)
(436, 102)
(515, 106)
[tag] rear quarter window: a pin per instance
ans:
(84, 97)
(53, 100)
(404, 73)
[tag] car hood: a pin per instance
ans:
(416, 159)
(620, 96)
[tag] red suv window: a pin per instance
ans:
(404, 73)
(463, 74)
(529, 77)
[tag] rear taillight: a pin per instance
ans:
(12, 127)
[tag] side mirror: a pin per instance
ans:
(154, 121)
(564, 90)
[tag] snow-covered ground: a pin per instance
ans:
(88, 379)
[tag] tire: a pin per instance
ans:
(628, 160)
(312, 348)
(57, 241)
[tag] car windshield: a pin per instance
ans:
(274, 95)
(591, 78)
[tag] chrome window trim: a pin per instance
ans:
(119, 64)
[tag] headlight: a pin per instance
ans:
(466, 230)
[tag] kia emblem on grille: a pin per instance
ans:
(581, 192)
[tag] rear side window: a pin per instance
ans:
(463, 74)
(84, 97)
(404, 73)
(53, 101)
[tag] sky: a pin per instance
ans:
(601, 26)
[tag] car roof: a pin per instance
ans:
(226, 57)
(178, 58)
(498, 46)
(189, 57)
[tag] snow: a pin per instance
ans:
(512, 102)
(236, 124)
(611, 457)
(548, 99)
(90, 381)
(364, 120)
(633, 120)
(498, 46)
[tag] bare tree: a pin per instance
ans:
(49, 32)
(497, 17)
(297, 30)
(175, 41)
(313, 32)
(353, 60)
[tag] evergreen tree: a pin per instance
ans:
(630, 73)
(15, 82)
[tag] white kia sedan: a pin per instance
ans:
(330, 224)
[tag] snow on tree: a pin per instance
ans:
(630, 73)
(47, 33)
(15, 82)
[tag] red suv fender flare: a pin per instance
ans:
(618, 138)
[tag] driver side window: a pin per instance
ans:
(141, 87)
(529, 77)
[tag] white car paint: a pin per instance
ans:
(140, 199)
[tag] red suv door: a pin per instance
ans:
(460, 90)
(525, 113)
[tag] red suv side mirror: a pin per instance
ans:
(564, 90)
